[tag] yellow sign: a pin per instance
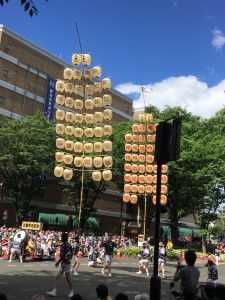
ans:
(32, 225)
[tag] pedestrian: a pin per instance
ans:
(16, 247)
(66, 253)
(212, 271)
(217, 254)
(76, 252)
(162, 259)
(109, 246)
(102, 292)
(144, 255)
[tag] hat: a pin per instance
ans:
(161, 244)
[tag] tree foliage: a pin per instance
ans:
(28, 5)
(27, 152)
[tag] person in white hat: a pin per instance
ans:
(162, 259)
(144, 255)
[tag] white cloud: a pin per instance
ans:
(218, 40)
(184, 91)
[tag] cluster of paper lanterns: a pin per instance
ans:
(84, 109)
(140, 171)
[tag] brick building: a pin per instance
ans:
(25, 69)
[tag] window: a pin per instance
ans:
(2, 99)
(8, 47)
(5, 74)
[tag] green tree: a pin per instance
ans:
(27, 152)
(28, 5)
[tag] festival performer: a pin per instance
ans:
(162, 259)
(109, 246)
(144, 255)
(66, 253)
(76, 252)
(16, 247)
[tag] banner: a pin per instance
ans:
(49, 98)
(26, 225)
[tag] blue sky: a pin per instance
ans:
(174, 47)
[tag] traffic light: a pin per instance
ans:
(167, 145)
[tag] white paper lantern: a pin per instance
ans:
(60, 143)
(88, 147)
(69, 130)
(107, 146)
(96, 175)
(68, 73)
(78, 118)
(78, 132)
(69, 88)
(107, 161)
(60, 86)
(107, 175)
(107, 130)
(107, 99)
(89, 89)
(68, 174)
(69, 145)
(98, 102)
(89, 118)
(106, 83)
(98, 131)
(77, 74)
(98, 116)
(76, 59)
(133, 199)
(58, 171)
(89, 132)
(89, 104)
(107, 114)
(60, 100)
(79, 89)
(98, 87)
(59, 128)
(68, 159)
(88, 73)
(98, 147)
(78, 147)
(97, 71)
(97, 162)
(126, 198)
(59, 156)
(78, 104)
(69, 102)
(86, 59)
(88, 162)
(78, 161)
(69, 117)
(60, 115)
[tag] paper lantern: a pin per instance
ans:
(68, 73)
(69, 102)
(107, 130)
(141, 189)
(148, 189)
(141, 127)
(141, 148)
(107, 161)
(60, 128)
(59, 156)
(69, 117)
(78, 161)
(69, 130)
(107, 100)
(88, 162)
(79, 89)
(89, 104)
(89, 89)
(128, 147)
(98, 131)
(68, 174)
(149, 118)
(78, 132)
(76, 59)
(78, 147)
(142, 118)
(88, 147)
(164, 179)
(69, 88)
(106, 83)
(78, 118)
(88, 73)
(154, 188)
(164, 169)
(155, 169)
(149, 159)
(127, 188)
(141, 158)
(68, 159)
(69, 145)
(107, 114)
(164, 189)
(126, 198)
(127, 177)
(135, 138)
(98, 102)
(60, 115)
(60, 143)
(58, 171)
(128, 137)
(134, 178)
(96, 175)
(77, 74)
(97, 162)
(163, 200)
(60, 100)
(98, 147)
(98, 87)
(107, 175)
(134, 157)
(127, 167)
(89, 118)
(86, 59)
(134, 148)
(60, 86)
(150, 138)
(141, 138)
(97, 71)
(78, 104)
(149, 169)
(149, 179)
(141, 169)
(134, 188)
(134, 168)
(150, 128)
(141, 179)
(107, 146)
(135, 127)
(89, 132)
(98, 116)
(128, 157)
(149, 148)
(133, 199)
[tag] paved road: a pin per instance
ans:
(22, 281)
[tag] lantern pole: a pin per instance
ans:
(145, 216)
(81, 196)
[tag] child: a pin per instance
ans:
(212, 271)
